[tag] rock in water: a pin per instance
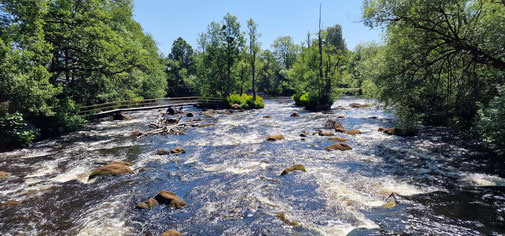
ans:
(120, 116)
(207, 125)
(162, 152)
(121, 163)
(391, 131)
(353, 132)
(111, 169)
(338, 146)
(189, 114)
(341, 130)
(332, 124)
(325, 133)
(167, 197)
(274, 137)
(357, 105)
(4, 175)
(137, 134)
(178, 150)
(338, 139)
(147, 204)
(235, 106)
(171, 232)
(267, 117)
(282, 217)
(293, 168)
(171, 111)
(304, 134)
(295, 115)
(390, 202)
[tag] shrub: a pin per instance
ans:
(296, 97)
(312, 102)
(245, 101)
(491, 121)
(15, 131)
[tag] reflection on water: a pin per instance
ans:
(231, 180)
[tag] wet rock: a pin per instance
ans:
(295, 115)
(189, 114)
(111, 169)
(275, 137)
(4, 175)
(373, 117)
(120, 116)
(162, 152)
(353, 132)
(171, 232)
(391, 131)
(328, 112)
(338, 139)
(325, 133)
(341, 117)
(282, 217)
(120, 163)
(171, 111)
(341, 130)
(357, 105)
(267, 117)
(147, 204)
(178, 150)
(332, 124)
(304, 134)
(9, 203)
(235, 106)
(338, 146)
(207, 125)
(137, 134)
(293, 168)
(170, 198)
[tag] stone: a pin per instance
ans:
(338, 146)
(120, 116)
(373, 117)
(267, 117)
(111, 169)
(121, 163)
(171, 232)
(338, 139)
(304, 134)
(170, 198)
(4, 175)
(353, 132)
(341, 117)
(325, 133)
(341, 130)
(147, 204)
(178, 150)
(295, 115)
(282, 217)
(391, 131)
(207, 125)
(162, 152)
(293, 168)
(357, 105)
(275, 137)
(137, 134)
(189, 114)
(171, 111)
(332, 124)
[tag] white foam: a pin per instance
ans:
(483, 180)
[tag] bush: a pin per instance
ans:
(296, 97)
(491, 121)
(312, 102)
(245, 101)
(15, 131)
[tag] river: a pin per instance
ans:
(230, 179)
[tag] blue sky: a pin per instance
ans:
(166, 20)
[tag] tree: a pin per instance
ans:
(254, 48)
(181, 65)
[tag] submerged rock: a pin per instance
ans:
(332, 124)
(4, 175)
(171, 232)
(353, 132)
(170, 198)
(341, 117)
(293, 168)
(147, 204)
(325, 133)
(295, 115)
(162, 152)
(338, 146)
(120, 116)
(282, 217)
(391, 131)
(207, 125)
(178, 150)
(267, 117)
(275, 137)
(111, 169)
(338, 139)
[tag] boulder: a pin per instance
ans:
(274, 137)
(295, 115)
(353, 132)
(171, 111)
(304, 134)
(338, 139)
(111, 169)
(169, 198)
(178, 150)
(189, 114)
(137, 134)
(267, 117)
(341, 130)
(338, 146)
(325, 133)
(293, 168)
(391, 131)
(120, 116)
(171, 232)
(121, 163)
(207, 125)
(4, 175)
(332, 124)
(162, 152)
(357, 105)
(147, 204)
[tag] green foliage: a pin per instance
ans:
(491, 122)
(14, 131)
(296, 97)
(310, 101)
(181, 66)
(245, 101)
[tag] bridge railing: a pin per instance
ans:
(108, 106)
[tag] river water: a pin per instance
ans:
(230, 179)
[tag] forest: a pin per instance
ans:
(440, 63)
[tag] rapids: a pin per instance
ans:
(230, 179)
